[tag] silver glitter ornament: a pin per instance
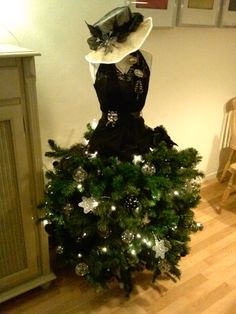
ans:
(80, 175)
(59, 249)
(103, 231)
(146, 220)
(196, 226)
(127, 236)
(148, 169)
(81, 269)
(199, 226)
(174, 228)
(163, 266)
(68, 208)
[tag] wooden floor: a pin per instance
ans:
(208, 283)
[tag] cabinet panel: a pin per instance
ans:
(9, 83)
(18, 255)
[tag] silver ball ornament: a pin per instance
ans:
(148, 169)
(80, 175)
(163, 266)
(131, 202)
(127, 236)
(81, 269)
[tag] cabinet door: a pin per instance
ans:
(18, 238)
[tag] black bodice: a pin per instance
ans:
(123, 92)
(121, 130)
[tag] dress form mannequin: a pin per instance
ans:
(123, 65)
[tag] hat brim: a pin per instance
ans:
(120, 50)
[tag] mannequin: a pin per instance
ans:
(122, 65)
(120, 72)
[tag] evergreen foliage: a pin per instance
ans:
(109, 218)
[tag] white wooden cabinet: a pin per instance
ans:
(24, 254)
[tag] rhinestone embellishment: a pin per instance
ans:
(112, 118)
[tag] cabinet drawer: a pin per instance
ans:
(9, 83)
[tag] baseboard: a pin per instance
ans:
(39, 281)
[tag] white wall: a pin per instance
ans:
(193, 73)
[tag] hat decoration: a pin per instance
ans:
(115, 26)
(116, 35)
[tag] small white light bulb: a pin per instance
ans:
(94, 124)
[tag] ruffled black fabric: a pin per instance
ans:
(128, 135)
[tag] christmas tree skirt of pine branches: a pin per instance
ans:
(108, 218)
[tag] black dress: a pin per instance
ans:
(121, 130)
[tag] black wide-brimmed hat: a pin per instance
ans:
(117, 34)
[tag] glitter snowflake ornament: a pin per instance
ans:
(159, 248)
(88, 204)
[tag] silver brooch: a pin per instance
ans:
(112, 118)
(133, 60)
(138, 73)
